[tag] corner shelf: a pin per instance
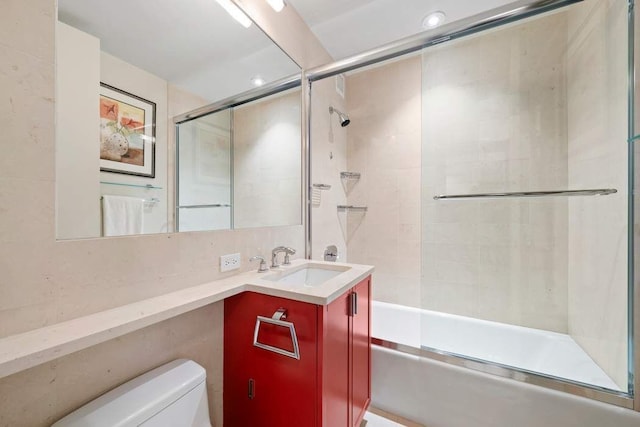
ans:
(322, 186)
(350, 175)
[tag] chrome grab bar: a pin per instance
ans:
(596, 192)
(351, 208)
(277, 319)
(216, 205)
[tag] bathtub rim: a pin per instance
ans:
(618, 398)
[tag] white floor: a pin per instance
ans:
(374, 420)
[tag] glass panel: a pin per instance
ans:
(241, 167)
(267, 157)
(204, 173)
(539, 284)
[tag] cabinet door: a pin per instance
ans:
(361, 351)
(335, 363)
(284, 390)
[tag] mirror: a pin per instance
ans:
(240, 167)
(124, 71)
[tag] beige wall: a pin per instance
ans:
(78, 163)
(43, 394)
(44, 281)
(494, 117)
(267, 162)
(329, 158)
(384, 145)
(598, 159)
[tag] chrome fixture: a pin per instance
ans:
(351, 208)
(148, 202)
(278, 320)
(245, 97)
(263, 264)
(288, 251)
(511, 12)
(344, 119)
(322, 186)
(147, 186)
(274, 255)
(350, 175)
(331, 253)
(596, 192)
(215, 205)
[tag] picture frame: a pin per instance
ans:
(127, 133)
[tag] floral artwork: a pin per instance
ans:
(127, 133)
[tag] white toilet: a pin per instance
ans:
(172, 395)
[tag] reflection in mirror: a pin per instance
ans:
(115, 142)
(258, 145)
(204, 173)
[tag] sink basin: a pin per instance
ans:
(310, 277)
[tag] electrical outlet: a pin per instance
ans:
(229, 262)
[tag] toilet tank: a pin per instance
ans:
(172, 395)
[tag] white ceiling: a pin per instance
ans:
(194, 44)
(348, 27)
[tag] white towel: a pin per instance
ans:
(122, 215)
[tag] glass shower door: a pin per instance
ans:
(525, 196)
(204, 173)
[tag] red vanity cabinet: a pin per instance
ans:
(329, 385)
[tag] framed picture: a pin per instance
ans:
(127, 133)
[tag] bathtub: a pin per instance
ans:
(439, 394)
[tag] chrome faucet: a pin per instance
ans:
(287, 252)
(274, 255)
(263, 264)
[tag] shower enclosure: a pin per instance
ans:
(486, 176)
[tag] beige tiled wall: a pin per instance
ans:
(267, 162)
(494, 116)
(329, 158)
(44, 281)
(597, 90)
(384, 146)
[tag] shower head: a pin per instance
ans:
(344, 119)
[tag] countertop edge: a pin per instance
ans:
(28, 349)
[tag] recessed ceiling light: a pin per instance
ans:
(277, 5)
(235, 12)
(257, 81)
(434, 19)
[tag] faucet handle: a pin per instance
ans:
(263, 264)
(288, 251)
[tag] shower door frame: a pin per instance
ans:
(488, 20)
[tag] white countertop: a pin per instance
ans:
(23, 351)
